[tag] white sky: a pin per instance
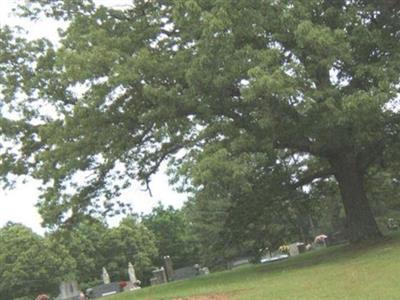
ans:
(18, 205)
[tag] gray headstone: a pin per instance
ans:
(238, 262)
(105, 290)
(293, 249)
(186, 272)
(204, 271)
(159, 276)
(169, 269)
(69, 291)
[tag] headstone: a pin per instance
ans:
(276, 257)
(238, 262)
(169, 268)
(204, 271)
(190, 272)
(154, 281)
(186, 272)
(392, 224)
(159, 276)
(320, 240)
(105, 276)
(69, 291)
(133, 282)
(104, 290)
(293, 249)
(301, 247)
(131, 273)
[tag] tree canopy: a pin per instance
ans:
(31, 264)
(131, 242)
(86, 245)
(127, 89)
(174, 236)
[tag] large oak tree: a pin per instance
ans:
(128, 89)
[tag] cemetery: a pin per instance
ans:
(167, 273)
(337, 272)
(269, 129)
(70, 290)
(296, 257)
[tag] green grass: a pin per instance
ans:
(342, 272)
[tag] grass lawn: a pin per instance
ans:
(341, 272)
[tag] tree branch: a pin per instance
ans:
(310, 176)
(298, 145)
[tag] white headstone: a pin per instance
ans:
(204, 271)
(131, 273)
(106, 277)
(293, 249)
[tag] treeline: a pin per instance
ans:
(280, 118)
(31, 264)
(216, 225)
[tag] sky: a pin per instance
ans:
(18, 205)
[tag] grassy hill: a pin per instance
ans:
(342, 272)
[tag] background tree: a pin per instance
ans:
(315, 78)
(243, 204)
(173, 235)
(328, 215)
(129, 242)
(85, 243)
(31, 264)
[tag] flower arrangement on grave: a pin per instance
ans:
(284, 249)
(122, 284)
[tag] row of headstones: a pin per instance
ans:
(299, 247)
(292, 249)
(70, 291)
(110, 288)
(167, 273)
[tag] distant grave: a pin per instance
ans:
(164, 275)
(159, 276)
(189, 272)
(392, 224)
(110, 288)
(69, 291)
(102, 290)
(238, 262)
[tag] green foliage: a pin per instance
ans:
(129, 242)
(383, 186)
(329, 216)
(173, 234)
(85, 243)
(94, 246)
(241, 205)
(312, 79)
(31, 264)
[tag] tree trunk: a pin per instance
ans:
(361, 224)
